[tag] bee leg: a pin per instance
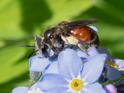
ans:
(34, 76)
(38, 44)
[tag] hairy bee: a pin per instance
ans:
(67, 33)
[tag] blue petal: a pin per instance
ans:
(69, 63)
(38, 63)
(52, 68)
(51, 81)
(81, 53)
(120, 64)
(93, 68)
(57, 90)
(20, 90)
(94, 88)
(92, 51)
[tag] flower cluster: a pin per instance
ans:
(74, 71)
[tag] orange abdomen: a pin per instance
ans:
(82, 33)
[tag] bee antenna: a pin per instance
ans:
(37, 38)
(27, 46)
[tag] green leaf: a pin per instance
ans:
(10, 18)
(8, 60)
(67, 9)
(11, 72)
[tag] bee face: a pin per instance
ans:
(53, 39)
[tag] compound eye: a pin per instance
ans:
(51, 36)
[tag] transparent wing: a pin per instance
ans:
(82, 22)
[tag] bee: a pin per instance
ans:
(76, 33)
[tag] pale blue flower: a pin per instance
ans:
(112, 72)
(35, 90)
(39, 63)
(20, 90)
(74, 76)
(120, 64)
(27, 90)
(52, 68)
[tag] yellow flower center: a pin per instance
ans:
(76, 84)
(113, 65)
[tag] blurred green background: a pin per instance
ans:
(20, 20)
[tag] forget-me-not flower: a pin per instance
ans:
(35, 90)
(74, 76)
(27, 90)
(115, 67)
(40, 63)
(20, 90)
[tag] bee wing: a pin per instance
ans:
(82, 22)
(94, 28)
(38, 44)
